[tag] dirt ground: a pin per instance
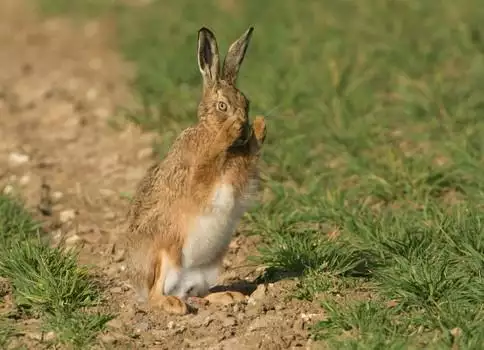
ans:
(60, 85)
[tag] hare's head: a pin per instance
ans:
(221, 99)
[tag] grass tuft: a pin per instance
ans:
(79, 329)
(16, 224)
(46, 282)
(47, 279)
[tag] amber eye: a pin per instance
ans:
(222, 106)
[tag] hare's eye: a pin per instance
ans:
(222, 106)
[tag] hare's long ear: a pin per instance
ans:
(208, 57)
(235, 56)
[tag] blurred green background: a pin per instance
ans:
(353, 83)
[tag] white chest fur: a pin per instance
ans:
(213, 229)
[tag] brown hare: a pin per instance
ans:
(187, 207)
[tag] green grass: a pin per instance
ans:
(7, 330)
(374, 155)
(46, 282)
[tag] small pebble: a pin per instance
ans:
(109, 216)
(142, 327)
(259, 294)
(67, 215)
(91, 94)
(72, 240)
(119, 255)
(49, 336)
(24, 180)
(115, 323)
(57, 196)
(116, 290)
(145, 153)
(229, 321)
(108, 339)
(8, 190)
(16, 159)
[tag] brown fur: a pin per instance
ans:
(177, 189)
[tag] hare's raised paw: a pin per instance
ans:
(227, 135)
(169, 304)
(225, 298)
(233, 129)
(259, 127)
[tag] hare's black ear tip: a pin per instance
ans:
(205, 31)
(250, 30)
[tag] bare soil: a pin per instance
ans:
(61, 83)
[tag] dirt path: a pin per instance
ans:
(60, 84)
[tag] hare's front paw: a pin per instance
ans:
(235, 129)
(230, 132)
(260, 130)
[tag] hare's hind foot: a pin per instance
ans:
(169, 304)
(225, 298)
(157, 298)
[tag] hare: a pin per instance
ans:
(187, 207)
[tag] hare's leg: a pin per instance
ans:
(168, 303)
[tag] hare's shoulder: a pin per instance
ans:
(186, 149)
(174, 167)
(190, 141)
